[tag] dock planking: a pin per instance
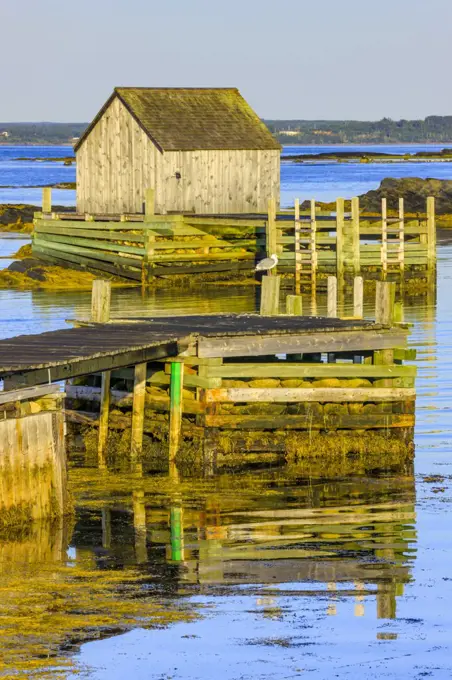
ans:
(93, 347)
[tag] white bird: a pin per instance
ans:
(267, 263)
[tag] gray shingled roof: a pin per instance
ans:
(184, 119)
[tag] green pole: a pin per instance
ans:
(176, 384)
(177, 534)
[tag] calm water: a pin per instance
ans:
(324, 181)
(291, 577)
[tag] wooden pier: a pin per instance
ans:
(229, 388)
(310, 245)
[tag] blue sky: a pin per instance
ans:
(290, 58)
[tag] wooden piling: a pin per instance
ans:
(149, 203)
(431, 233)
(384, 236)
(401, 253)
(384, 302)
(100, 301)
(358, 297)
(294, 305)
(313, 248)
(271, 228)
(297, 247)
(332, 297)
(47, 200)
(148, 257)
(100, 313)
(398, 312)
(340, 263)
(176, 403)
(139, 396)
(354, 237)
(103, 419)
(270, 295)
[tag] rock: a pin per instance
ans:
(327, 382)
(265, 383)
(292, 382)
(356, 382)
(415, 192)
(234, 383)
(37, 274)
(187, 394)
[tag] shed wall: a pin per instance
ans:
(117, 163)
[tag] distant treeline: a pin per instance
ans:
(432, 129)
(386, 131)
(40, 133)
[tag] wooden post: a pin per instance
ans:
(358, 297)
(100, 313)
(139, 396)
(384, 303)
(148, 257)
(398, 312)
(354, 237)
(270, 295)
(384, 236)
(297, 247)
(313, 247)
(149, 203)
(100, 301)
(271, 228)
(401, 253)
(176, 386)
(47, 200)
(340, 265)
(103, 419)
(332, 297)
(431, 232)
(294, 305)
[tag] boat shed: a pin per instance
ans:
(202, 150)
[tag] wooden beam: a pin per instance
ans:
(26, 393)
(309, 343)
(380, 421)
(96, 365)
(355, 237)
(307, 394)
(288, 369)
(139, 394)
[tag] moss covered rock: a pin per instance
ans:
(265, 383)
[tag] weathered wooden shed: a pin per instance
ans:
(202, 150)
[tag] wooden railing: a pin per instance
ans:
(308, 243)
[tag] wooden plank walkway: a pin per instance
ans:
(58, 355)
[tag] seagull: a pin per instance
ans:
(267, 263)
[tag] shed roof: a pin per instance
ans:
(185, 119)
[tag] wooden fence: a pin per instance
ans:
(310, 245)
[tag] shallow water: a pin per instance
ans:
(289, 575)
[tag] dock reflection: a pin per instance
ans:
(353, 538)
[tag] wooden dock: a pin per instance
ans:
(229, 387)
(310, 245)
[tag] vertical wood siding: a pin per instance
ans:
(118, 162)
